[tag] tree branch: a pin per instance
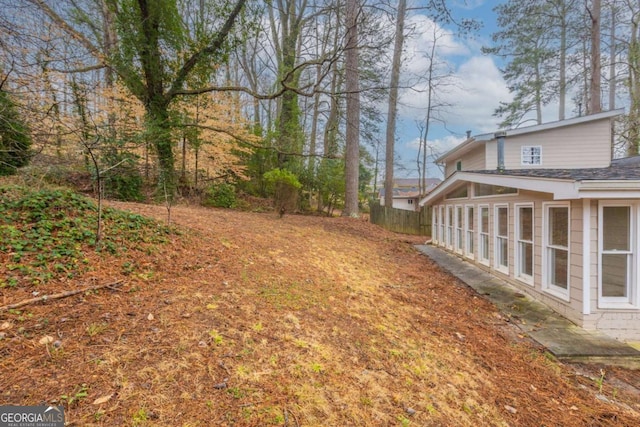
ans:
(57, 19)
(60, 295)
(257, 146)
(214, 47)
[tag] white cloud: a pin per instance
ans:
(422, 31)
(471, 94)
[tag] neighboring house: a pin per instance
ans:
(547, 208)
(406, 192)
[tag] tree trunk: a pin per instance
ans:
(108, 46)
(393, 104)
(160, 129)
(289, 132)
(563, 63)
(612, 59)
(634, 87)
(352, 149)
(595, 103)
(538, 95)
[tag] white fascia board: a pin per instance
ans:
(567, 122)
(561, 189)
(610, 184)
(609, 189)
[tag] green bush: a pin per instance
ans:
(220, 196)
(124, 182)
(284, 186)
(126, 185)
(283, 177)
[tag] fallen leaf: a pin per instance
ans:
(103, 399)
(47, 339)
(5, 325)
(150, 316)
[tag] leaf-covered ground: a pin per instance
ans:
(246, 319)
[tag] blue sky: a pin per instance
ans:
(472, 92)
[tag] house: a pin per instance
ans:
(406, 192)
(549, 210)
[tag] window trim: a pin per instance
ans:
(496, 258)
(631, 301)
(530, 155)
(547, 287)
(487, 233)
(529, 280)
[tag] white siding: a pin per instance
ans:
(587, 145)
(583, 146)
(474, 160)
(449, 169)
(405, 204)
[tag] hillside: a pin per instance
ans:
(245, 319)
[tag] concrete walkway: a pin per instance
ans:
(559, 336)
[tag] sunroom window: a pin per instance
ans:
(483, 236)
(557, 250)
(502, 238)
(616, 254)
(524, 246)
(469, 231)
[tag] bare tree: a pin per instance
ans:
(595, 82)
(352, 149)
(393, 103)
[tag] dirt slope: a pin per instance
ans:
(249, 320)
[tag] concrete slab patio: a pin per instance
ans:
(562, 338)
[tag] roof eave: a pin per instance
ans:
(559, 188)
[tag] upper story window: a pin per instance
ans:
(531, 155)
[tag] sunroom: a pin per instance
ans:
(569, 238)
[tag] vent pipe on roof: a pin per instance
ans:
(468, 134)
(500, 137)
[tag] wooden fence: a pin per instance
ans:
(400, 220)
